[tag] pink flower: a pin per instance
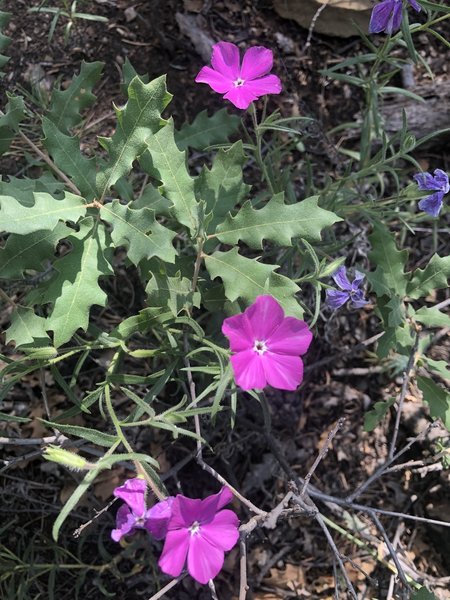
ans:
(267, 346)
(240, 84)
(134, 513)
(199, 531)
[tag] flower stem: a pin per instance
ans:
(258, 148)
(266, 411)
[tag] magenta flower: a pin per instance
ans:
(240, 84)
(134, 513)
(201, 532)
(267, 346)
(387, 15)
(439, 184)
(350, 291)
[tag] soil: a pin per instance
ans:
(293, 560)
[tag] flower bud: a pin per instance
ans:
(66, 458)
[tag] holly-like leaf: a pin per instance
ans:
(247, 278)
(139, 232)
(26, 327)
(43, 215)
(434, 277)
(389, 278)
(276, 222)
(173, 292)
(205, 131)
(373, 417)
(222, 187)
(76, 288)
(66, 105)
(164, 161)
(9, 122)
(431, 317)
(30, 252)
(136, 121)
(437, 399)
(437, 366)
(66, 153)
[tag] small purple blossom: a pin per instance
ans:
(240, 84)
(439, 184)
(350, 291)
(387, 15)
(199, 531)
(134, 514)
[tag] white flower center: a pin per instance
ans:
(238, 82)
(260, 347)
(194, 528)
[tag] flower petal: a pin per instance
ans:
(358, 279)
(282, 371)
(213, 503)
(292, 337)
(174, 552)
(264, 316)
(416, 6)
(248, 370)
(218, 82)
(341, 279)
(240, 96)
(125, 522)
(257, 61)
(270, 84)
(204, 559)
(133, 493)
(425, 181)
(226, 60)
(223, 531)
(396, 18)
(238, 331)
(441, 178)
(184, 512)
(157, 518)
(381, 14)
(357, 298)
(432, 204)
(335, 298)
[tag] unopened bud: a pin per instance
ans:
(68, 459)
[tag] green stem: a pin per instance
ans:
(265, 410)
(258, 148)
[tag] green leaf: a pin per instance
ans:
(4, 40)
(91, 435)
(165, 162)
(276, 222)
(222, 187)
(151, 198)
(66, 153)
(26, 327)
(433, 277)
(430, 316)
(139, 232)
(377, 414)
(9, 122)
(247, 278)
(174, 292)
(437, 399)
(43, 215)
(423, 593)
(388, 278)
(141, 323)
(31, 251)
(66, 105)
(14, 418)
(76, 287)
(139, 118)
(205, 131)
(437, 366)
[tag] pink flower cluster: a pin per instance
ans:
(196, 531)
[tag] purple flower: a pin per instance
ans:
(267, 346)
(439, 184)
(351, 291)
(201, 532)
(240, 84)
(387, 15)
(134, 513)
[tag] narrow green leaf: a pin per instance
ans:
(247, 278)
(139, 232)
(437, 399)
(276, 222)
(136, 121)
(91, 435)
(164, 161)
(4, 40)
(66, 105)
(389, 277)
(26, 327)
(434, 277)
(66, 153)
(76, 288)
(205, 131)
(14, 418)
(141, 323)
(44, 214)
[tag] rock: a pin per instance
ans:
(335, 17)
